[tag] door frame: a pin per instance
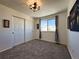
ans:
(13, 27)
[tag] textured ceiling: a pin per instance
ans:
(48, 6)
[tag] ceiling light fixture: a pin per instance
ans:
(34, 5)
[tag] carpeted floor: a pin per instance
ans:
(37, 49)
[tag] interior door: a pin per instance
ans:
(18, 30)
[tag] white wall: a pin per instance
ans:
(73, 40)
(62, 27)
(73, 44)
(36, 31)
(6, 37)
(50, 36)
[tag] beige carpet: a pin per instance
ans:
(37, 49)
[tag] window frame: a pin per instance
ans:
(47, 25)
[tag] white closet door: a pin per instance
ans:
(18, 30)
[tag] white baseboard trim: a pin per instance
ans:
(6, 49)
(70, 53)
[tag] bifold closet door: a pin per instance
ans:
(18, 25)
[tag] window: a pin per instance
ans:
(48, 25)
(51, 25)
(43, 25)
